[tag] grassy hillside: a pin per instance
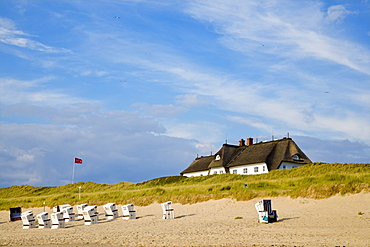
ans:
(316, 180)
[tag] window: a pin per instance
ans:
(245, 170)
(215, 172)
(284, 167)
(221, 172)
(263, 168)
(256, 169)
(296, 157)
(235, 171)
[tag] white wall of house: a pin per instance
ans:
(217, 170)
(289, 165)
(196, 174)
(251, 169)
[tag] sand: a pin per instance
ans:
(302, 222)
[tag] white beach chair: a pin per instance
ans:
(265, 212)
(28, 220)
(90, 215)
(128, 212)
(95, 210)
(27, 212)
(59, 208)
(80, 208)
(57, 220)
(110, 210)
(68, 214)
(168, 211)
(43, 219)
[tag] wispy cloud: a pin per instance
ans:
(284, 32)
(246, 97)
(35, 92)
(160, 111)
(254, 122)
(204, 131)
(337, 13)
(190, 100)
(11, 36)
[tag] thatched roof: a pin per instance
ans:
(273, 153)
(199, 164)
(226, 153)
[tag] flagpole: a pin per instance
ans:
(73, 171)
(75, 161)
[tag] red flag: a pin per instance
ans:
(78, 161)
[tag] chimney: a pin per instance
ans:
(241, 142)
(249, 141)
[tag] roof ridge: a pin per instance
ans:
(278, 140)
(230, 145)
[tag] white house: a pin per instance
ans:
(248, 159)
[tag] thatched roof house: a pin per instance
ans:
(249, 158)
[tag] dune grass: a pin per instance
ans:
(317, 180)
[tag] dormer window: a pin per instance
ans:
(296, 157)
(218, 157)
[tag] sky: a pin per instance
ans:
(139, 89)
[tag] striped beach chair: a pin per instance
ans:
(68, 213)
(57, 220)
(90, 215)
(80, 209)
(43, 220)
(59, 208)
(168, 211)
(265, 212)
(111, 211)
(128, 212)
(28, 220)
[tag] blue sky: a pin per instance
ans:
(139, 96)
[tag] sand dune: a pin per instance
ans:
(302, 222)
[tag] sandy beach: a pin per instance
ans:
(336, 221)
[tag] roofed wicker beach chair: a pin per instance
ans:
(128, 212)
(59, 208)
(111, 211)
(80, 209)
(57, 220)
(90, 215)
(68, 213)
(265, 212)
(168, 211)
(28, 220)
(43, 219)
(15, 214)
